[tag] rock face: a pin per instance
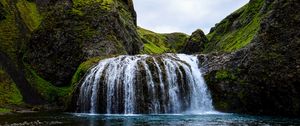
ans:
(252, 63)
(143, 84)
(76, 31)
(2, 12)
(263, 77)
(195, 43)
(17, 20)
(131, 9)
(14, 84)
(46, 40)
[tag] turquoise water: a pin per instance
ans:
(71, 119)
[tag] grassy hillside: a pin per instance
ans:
(156, 43)
(238, 29)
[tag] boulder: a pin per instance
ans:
(195, 43)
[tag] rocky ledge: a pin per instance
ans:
(262, 78)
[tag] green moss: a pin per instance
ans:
(83, 68)
(8, 32)
(117, 44)
(45, 88)
(9, 93)
(222, 105)
(155, 43)
(125, 14)
(105, 4)
(29, 14)
(4, 110)
(226, 38)
(241, 95)
(176, 41)
(151, 48)
(224, 75)
(77, 12)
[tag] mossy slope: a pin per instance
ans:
(238, 29)
(156, 43)
(195, 43)
(263, 77)
(19, 20)
(9, 93)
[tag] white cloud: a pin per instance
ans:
(183, 15)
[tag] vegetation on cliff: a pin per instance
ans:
(196, 43)
(9, 93)
(84, 67)
(48, 40)
(238, 29)
(262, 72)
(251, 56)
(73, 32)
(18, 20)
(156, 43)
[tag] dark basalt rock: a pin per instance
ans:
(196, 42)
(2, 12)
(69, 35)
(264, 77)
(131, 9)
(29, 93)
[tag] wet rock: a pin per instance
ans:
(34, 123)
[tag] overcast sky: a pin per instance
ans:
(165, 16)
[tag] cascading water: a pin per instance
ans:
(143, 84)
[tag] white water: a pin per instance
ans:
(143, 84)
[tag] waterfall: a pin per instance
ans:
(144, 84)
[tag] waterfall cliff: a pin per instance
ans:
(144, 84)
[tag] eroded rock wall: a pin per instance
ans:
(263, 77)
